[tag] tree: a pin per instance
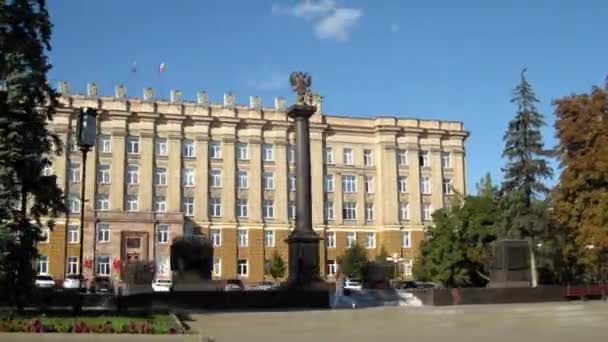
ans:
(353, 261)
(580, 198)
(526, 169)
(381, 260)
(456, 252)
(26, 103)
(277, 266)
(485, 187)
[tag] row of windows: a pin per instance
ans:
(103, 233)
(42, 265)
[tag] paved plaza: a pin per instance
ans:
(551, 322)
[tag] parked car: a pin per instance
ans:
(263, 286)
(74, 282)
(101, 284)
(162, 285)
(233, 285)
(44, 282)
(353, 284)
(426, 285)
(405, 285)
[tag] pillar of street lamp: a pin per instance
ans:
(303, 241)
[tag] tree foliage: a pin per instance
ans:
(277, 266)
(353, 261)
(26, 103)
(456, 252)
(580, 198)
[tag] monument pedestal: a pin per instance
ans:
(303, 259)
(511, 264)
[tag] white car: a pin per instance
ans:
(352, 284)
(73, 282)
(162, 285)
(263, 286)
(44, 281)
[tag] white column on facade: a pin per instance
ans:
(413, 183)
(360, 198)
(229, 177)
(254, 194)
(280, 177)
(174, 172)
(338, 199)
(146, 167)
(117, 168)
(387, 170)
(201, 200)
(316, 174)
(459, 167)
(436, 178)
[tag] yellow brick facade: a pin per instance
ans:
(187, 155)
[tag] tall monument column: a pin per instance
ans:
(303, 241)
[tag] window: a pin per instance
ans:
(329, 155)
(402, 157)
(269, 238)
(215, 207)
(132, 145)
(42, 266)
(72, 265)
(426, 211)
(188, 148)
(292, 182)
(243, 237)
(331, 268)
(217, 267)
(369, 184)
(105, 144)
(402, 184)
(241, 208)
(292, 210)
(266, 267)
(188, 177)
(44, 235)
(132, 203)
(188, 203)
(369, 212)
(268, 209)
(162, 233)
(291, 154)
(368, 158)
(242, 151)
(351, 239)
(160, 146)
(349, 183)
(329, 183)
(241, 267)
(133, 242)
(160, 204)
(103, 202)
(132, 174)
(103, 174)
(242, 179)
(370, 240)
(216, 237)
(73, 204)
(74, 143)
(215, 150)
(330, 240)
(448, 189)
(406, 239)
(268, 180)
(160, 176)
(73, 233)
(216, 178)
(348, 156)
(423, 158)
(102, 265)
(349, 212)
(404, 211)
(103, 232)
(75, 172)
(268, 152)
(425, 185)
(446, 160)
(329, 210)
(407, 267)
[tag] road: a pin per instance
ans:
(550, 322)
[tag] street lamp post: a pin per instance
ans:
(395, 259)
(86, 135)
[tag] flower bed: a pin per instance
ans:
(155, 324)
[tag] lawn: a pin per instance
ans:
(57, 322)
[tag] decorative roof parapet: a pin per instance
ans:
(148, 94)
(176, 96)
(120, 91)
(202, 99)
(91, 89)
(255, 102)
(229, 101)
(279, 103)
(64, 87)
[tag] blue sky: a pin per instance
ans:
(453, 60)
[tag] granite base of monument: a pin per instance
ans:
(511, 264)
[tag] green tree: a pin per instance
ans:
(456, 252)
(277, 266)
(580, 198)
(353, 261)
(524, 173)
(26, 103)
(381, 260)
(485, 187)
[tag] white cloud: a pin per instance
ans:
(273, 81)
(394, 27)
(330, 21)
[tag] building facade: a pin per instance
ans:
(163, 169)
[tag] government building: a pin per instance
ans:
(163, 169)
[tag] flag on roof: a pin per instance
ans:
(162, 67)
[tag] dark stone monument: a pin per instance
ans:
(191, 263)
(511, 264)
(303, 241)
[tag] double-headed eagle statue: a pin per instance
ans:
(300, 83)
